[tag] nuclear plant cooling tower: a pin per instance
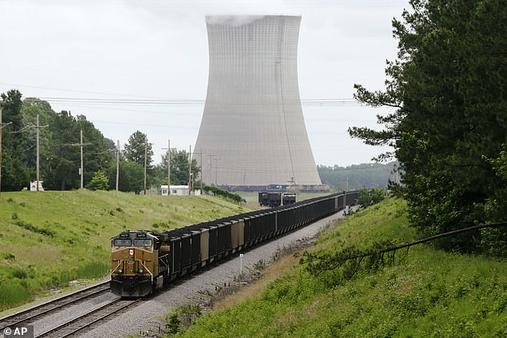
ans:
(252, 131)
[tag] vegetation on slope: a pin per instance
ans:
(448, 126)
(428, 293)
(48, 239)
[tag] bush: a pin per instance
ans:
(223, 193)
(99, 181)
(182, 318)
(369, 197)
(33, 228)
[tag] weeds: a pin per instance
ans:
(182, 318)
(35, 229)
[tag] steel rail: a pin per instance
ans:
(53, 305)
(83, 322)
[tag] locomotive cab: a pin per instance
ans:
(134, 255)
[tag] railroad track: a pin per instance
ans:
(85, 321)
(29, 315)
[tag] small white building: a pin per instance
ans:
(178, 190)
(33, 186)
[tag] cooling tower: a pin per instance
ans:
(252, 131)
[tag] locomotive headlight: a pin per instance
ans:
(120, 271)
(141, 270)
(131, 252)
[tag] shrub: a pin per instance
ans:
(99, 181)
(369, 197)
(33, 228)
(182, 318)
(223, 193)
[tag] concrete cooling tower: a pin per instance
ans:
(252, 131)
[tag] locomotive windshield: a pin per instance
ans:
(142, 242)
(122, 242)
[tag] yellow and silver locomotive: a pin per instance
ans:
(139, 263)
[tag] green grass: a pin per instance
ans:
(430, 293)
(48, 239)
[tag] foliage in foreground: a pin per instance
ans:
(428, 293)
(447, 89)
(48, 239)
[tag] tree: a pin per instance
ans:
(15, 172)
(357, 176)
(179, 168)
(99, 181)
(134, 149)
(131, 176)
(447, 89)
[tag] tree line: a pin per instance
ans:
(447, 89)
(60, 157)
(358, 176)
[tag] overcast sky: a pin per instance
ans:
(158, 49)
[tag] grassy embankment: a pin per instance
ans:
(48, 239)
(427, 293)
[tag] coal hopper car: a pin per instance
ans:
(143, 261)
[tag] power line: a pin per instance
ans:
(140, 101)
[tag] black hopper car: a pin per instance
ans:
(143, 261)
(288, 198)
(275, 199)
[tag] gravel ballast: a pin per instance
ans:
(149, 316)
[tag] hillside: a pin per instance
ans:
(427, 293)
(48, 239)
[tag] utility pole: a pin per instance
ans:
(201, 171)
(117, 164)
(82, 168)
(81, 145)
(190, 170)
(145, 163)
(38, 154)
(168, 158)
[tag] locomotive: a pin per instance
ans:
(144, 261)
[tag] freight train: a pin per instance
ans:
(274, 199)
(144, 261)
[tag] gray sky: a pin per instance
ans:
(125, 49)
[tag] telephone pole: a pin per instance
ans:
(211, 157)
(117, 164)
(190, 170)
(168, 158)
(37, 171)
(82, 169)
(145, 163)
(201, 171)
(81, 145)
(168, 167)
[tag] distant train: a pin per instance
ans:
(143, 261)
(274, 199)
